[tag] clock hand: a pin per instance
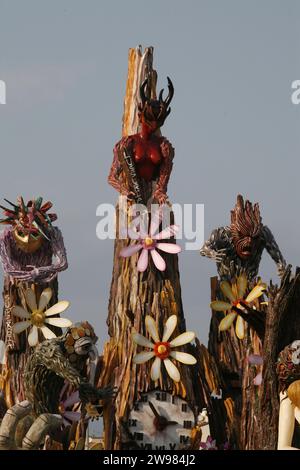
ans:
(169, 423)
(154, 410)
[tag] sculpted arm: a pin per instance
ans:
(286, 424)
(273, 250)
(165, 171)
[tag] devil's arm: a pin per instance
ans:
(273, 249)
(115, 174)
(165, 171)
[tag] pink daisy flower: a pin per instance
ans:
(150, 242)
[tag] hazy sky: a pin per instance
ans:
(233, 125)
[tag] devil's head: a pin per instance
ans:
(246, 226)
(153, 112)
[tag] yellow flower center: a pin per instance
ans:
(161, 349)
(148, 241)
(38, 318)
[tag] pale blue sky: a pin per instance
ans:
(233, 125)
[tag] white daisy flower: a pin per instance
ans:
(39, 317)
(162, 350)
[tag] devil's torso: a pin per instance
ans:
(147, 156)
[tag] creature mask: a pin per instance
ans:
(30, 222)
(246, 225)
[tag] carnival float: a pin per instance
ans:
(154, 385)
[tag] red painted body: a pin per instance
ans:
(147, 156)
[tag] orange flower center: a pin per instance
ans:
(162, 350)
(237, 303)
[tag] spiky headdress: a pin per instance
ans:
(31, 218)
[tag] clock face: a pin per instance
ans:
(161, 421)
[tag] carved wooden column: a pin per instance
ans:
(133, 295)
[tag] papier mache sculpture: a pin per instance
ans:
(157, 403)
(238, 248)
(60, 393)
(238, 298)
(145, 157)
(32, 253)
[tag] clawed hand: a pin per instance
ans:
(219, 255)
(107, 393)
(161, 197)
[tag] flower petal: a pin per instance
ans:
(240, 327)
(227, 291)
(256, 292)
(242, 285)
(255, 359)
(142, 357)
(48, 334)
(172, 370)
(33, 336)
(60, 322)
(57, 308)
(220, 306)
(151, 328)
(155, 369)
(72, 399)
(169, 327)
(130, 250)
(30, 299)
(182, 339)
(158, 260)
(20, 312)
(258, 379)
(166, 233)
(142, 341)
(73, 416)
(143, 261)
(156, 218)
(21, 326)
(227, 321)
(183, 357)
(45, 298)
(169, 247)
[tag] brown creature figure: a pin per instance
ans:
(63, 359)
(239, 247)
(150, 154)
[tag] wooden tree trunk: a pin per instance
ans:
(133, 295)
(254, 425)
(282, 328)
(17, 348)
(231, 354)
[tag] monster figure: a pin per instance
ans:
(60, 360)
(145, 157)
(31, 249)
(239, 247)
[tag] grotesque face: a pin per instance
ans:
(152, 113)
(29, 243)
(30, 222)
(246, 226)
(80, 341)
